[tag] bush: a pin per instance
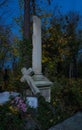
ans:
(45, 115)
(13, 114)
(9, 120)
(67, 96)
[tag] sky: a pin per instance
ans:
(8, 12)
(67, 5)
(13, 10)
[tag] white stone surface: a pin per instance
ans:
(36, 40)
(32, 101)
(44, 85)
(4, 96)
(28, 78)
(26, 72)
(46, 93)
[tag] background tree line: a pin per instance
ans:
(61, 40)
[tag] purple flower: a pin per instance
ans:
(21, 101)
(19, 104)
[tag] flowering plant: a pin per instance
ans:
(19, 104)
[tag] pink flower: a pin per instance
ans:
(19, 104)
(17, 98)
(21, 101)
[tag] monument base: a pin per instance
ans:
(38, 77)
(44, 85)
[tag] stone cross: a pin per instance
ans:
(36, 40)
(26, 77)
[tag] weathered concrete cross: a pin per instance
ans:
(26, 77)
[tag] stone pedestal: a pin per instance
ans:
(44, 85)
(46, 92)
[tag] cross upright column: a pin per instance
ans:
(37, 52)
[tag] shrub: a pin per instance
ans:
(12, 114)
(67, 96)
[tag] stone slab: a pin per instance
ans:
(4, 96)
(72, 123)
(41, 81)
(32, 101)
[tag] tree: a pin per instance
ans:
(4, 45)
(27, 19)
(72, 22)
(61, 44)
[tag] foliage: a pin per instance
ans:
(4, 45)
(25, 50)
(8, 119)
(14, 114)
(67, 96)
(80, 70)
(45, 115)
(66, 99)
(60, 45)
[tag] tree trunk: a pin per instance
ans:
(26, 33)
(34, 7)
(75, 73)
(73, 69)
(70, 70)
(26, 19)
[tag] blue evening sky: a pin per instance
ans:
(67, 5)
(13, 10)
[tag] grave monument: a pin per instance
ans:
(37, 82)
